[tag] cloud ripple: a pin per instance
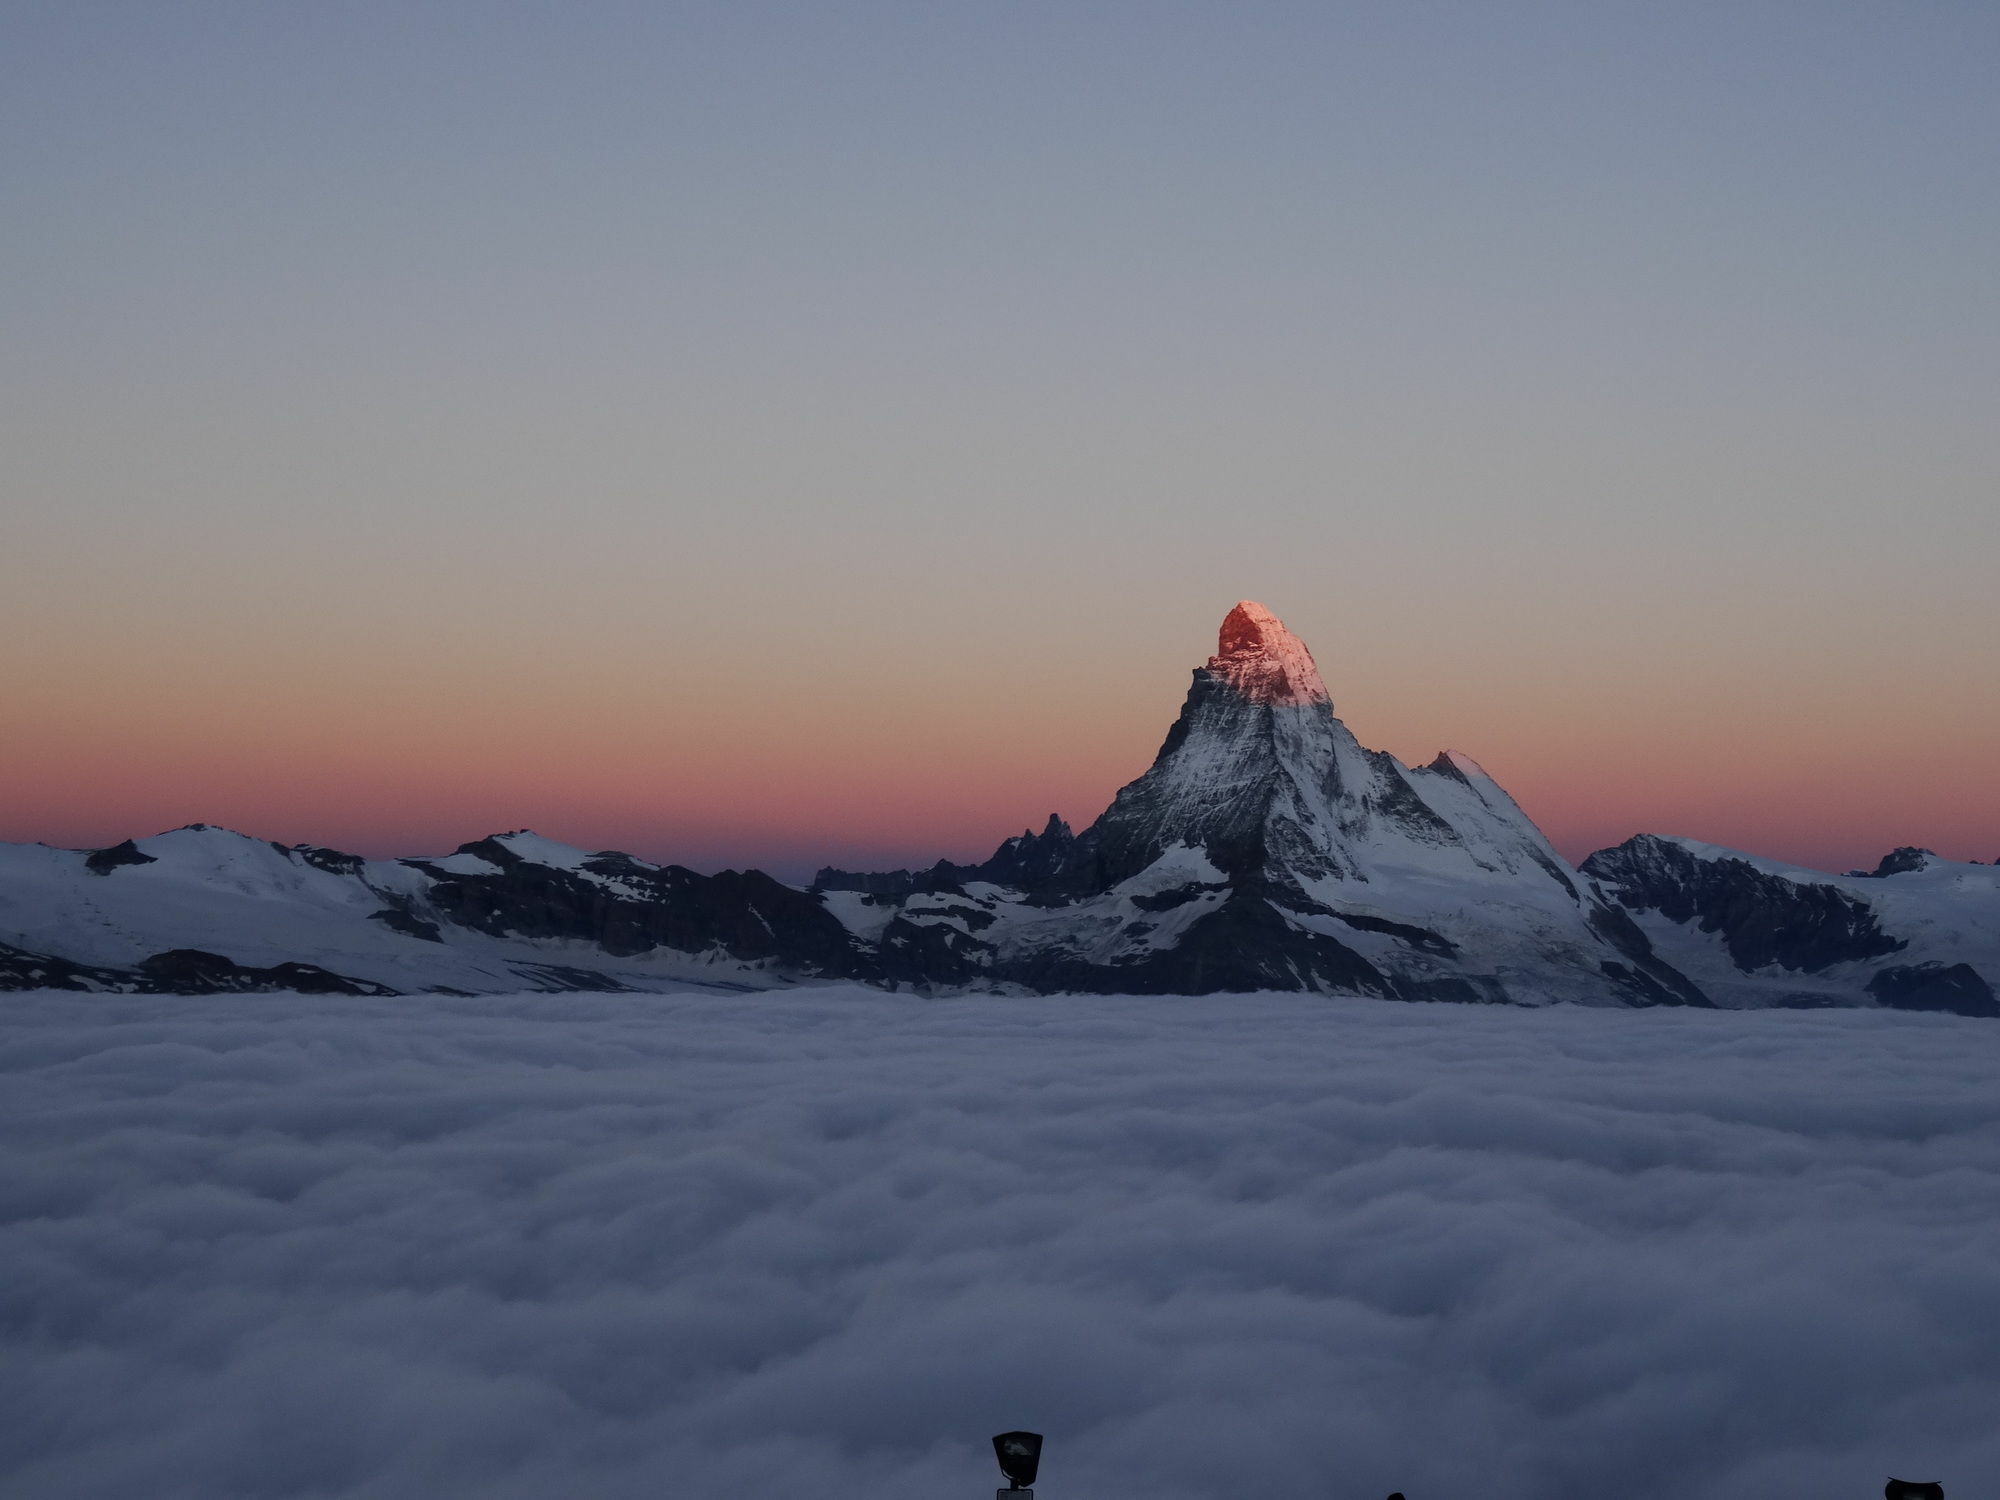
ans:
(823, 1243)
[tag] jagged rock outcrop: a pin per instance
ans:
(178, 971)
(1030, 862)
(104, 861)
(519, 885)
(1935, 985)
(1762, 919)
(1916, 933)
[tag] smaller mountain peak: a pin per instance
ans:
(1459, 766)
(211, 833)
(1263, 660)
(525, 846)
(1904, 861)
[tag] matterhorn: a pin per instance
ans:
(1267, 849)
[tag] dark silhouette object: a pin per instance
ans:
(1020, 1455)
(1397, 1496)
(1908, 1489)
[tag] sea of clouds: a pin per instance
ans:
(824, 1243)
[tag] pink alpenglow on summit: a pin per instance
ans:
(1263, 661)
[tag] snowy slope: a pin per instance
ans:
(259, 904)
(1923, 933)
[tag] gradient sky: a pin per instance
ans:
(777, 433)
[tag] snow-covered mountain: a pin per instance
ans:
(1918, 932)
(1264, 849)
(202, 909)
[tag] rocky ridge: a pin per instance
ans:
(1264, 848)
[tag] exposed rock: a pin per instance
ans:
(23, 970)
(398, 920)
(628, 907)
(1902, 861)
(104, 861)
(189, 971)
(1262, 661)
(333, 861)
(1762, 918)
(1958, 988)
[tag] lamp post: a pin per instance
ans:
(1020, 1455)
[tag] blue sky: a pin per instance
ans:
(1561, 372)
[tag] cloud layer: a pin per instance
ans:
(824, 1243)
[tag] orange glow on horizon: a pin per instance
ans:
(713, 772)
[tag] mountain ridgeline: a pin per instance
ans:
(1264, 849)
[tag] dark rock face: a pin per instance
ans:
(104, 861)
(330, 860)
(1244, 944)
(1228, 815)
(1915, 933)
(1957, 988)
(567, 978)
(1649, 978)
(930, 955)
(189, 971)
(1763, 919)
(1035, 863)
(1902, 862)
(869, 882)
(1180, 895)
(179, 971)
(22, 970)
(627, 907)
(398, 920)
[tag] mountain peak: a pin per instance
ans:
(1904, 861)
(1262, 660)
